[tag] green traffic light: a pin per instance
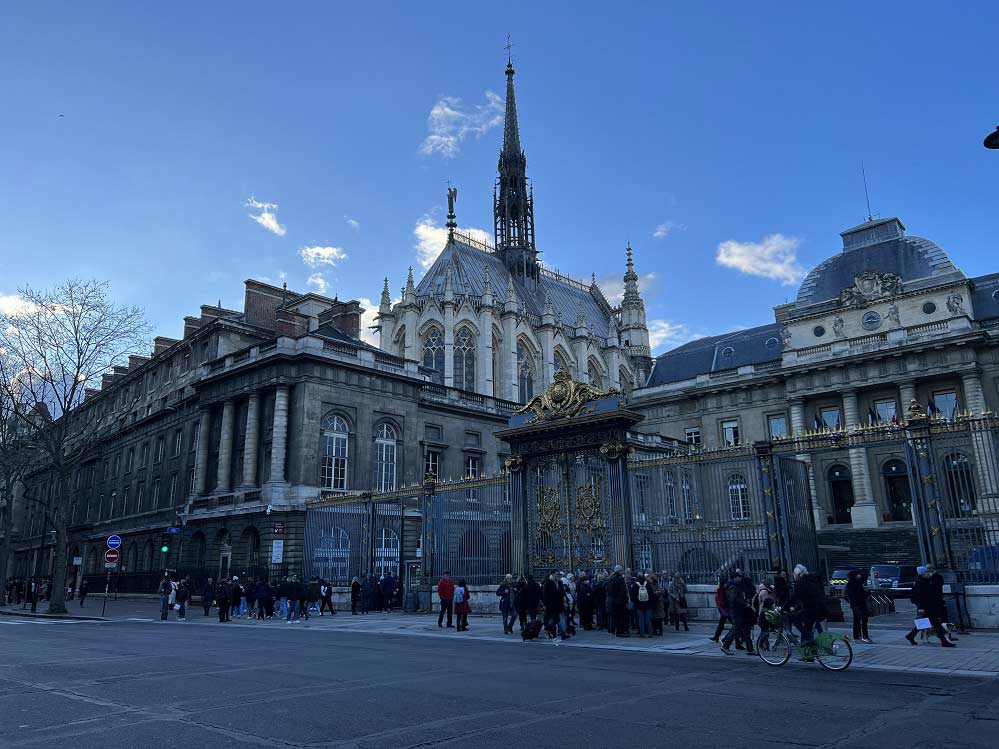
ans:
(164, 549)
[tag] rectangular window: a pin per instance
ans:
(473, 466)
(129, 459)
(692, 435)
(641, 497)
(173, 489)
(190, 481)
(195, 435)
(385, 452)
(160, 449)
(156, 494)
(178, 442)
(730, 432)
(738, 497)
(886, 412)
(473, 439)
(124, 509)
(830, 419)
(140, 496)
(117, 464)
(144, 455)
(777, 426)
(334, 462)
(432, 464)
(944, 404)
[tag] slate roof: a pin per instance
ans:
(717, 354)
(468, 278)
(911, 258)
(985, 296)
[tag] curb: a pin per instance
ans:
(36, 615)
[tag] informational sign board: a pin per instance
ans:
(173, 529)
(110, 565)
(77, 561)
(114, 542)
(277, 551)
(279, 526)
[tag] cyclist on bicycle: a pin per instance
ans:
(806, 602)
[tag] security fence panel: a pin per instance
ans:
(468, 530)
(353, 538)
(795, 519)
(700, 515)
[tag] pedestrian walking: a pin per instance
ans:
(183, 596)
(462, 605)
(678, 602)
(737, 606)
(302, 597)
(641, 598)
(326, 597)
(388, 591)
(857, 594)
(166, 596)
(806, 602)
(445, 592)
(659, 604)
(531, 599)
(928, 598)
(600, 600)
(553, 599)
(505, 593)
(207, 595)
(223, 599)
(722, 613)
(84, 590)
(618, 600)
(315, 593)
(368, 587)
(262, 593)
(237, 603)
(355, 595)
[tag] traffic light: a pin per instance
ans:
(165, 543)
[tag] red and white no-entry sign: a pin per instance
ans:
(111, 556)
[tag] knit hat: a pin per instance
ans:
(920, 570)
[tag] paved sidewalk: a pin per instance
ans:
(977, 654)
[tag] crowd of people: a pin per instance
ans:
(291, 599)
(19, 591)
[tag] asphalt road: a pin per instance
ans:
(135, 684)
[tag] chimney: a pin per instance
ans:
(162, 343)
(344, 316)
(136, 361)
(191, 325)
(261, 301)
(292, 324)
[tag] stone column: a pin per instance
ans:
(984, 447)
(579, 349)
(547, 335)
(798, 428)
(201, 458)
(251, 441)
(508, 359)
(449, 345)
(410, 348)
(865, 513)
(906, 393)
(484, 352)
(279, 440)
(223, 482)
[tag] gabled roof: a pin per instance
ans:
(717, 354)
(468, 277)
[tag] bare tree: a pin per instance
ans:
(15, 461)
(55, 346)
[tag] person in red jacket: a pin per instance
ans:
(445, 591)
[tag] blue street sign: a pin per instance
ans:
(172, 529)
(114, 542)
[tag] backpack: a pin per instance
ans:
(459, 595)
(643, 593)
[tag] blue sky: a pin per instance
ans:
(737, 128)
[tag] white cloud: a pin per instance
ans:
(267, 217)
(613, 286)
(317, 256)
(774, 257)
(664, 229)
(451, 121)
(665, 334)
(12, 304)
(353, 223)
(318, 282)
(431, 238)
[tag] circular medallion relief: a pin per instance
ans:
(929, 308)
(871, 320)
(819, 331)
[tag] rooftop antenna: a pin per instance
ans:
(870, 216)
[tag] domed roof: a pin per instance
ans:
(879, 245)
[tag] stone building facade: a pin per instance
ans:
(886, 321)
(230, 430)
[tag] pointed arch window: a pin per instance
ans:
(561, 362)
(335, 448)
(525, 373)
(464, 359)
(385, 458)
(594, 373)
(433, 349)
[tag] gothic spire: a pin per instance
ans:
(513, 203)
(386, 300)
(630, 281)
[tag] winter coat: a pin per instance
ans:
(857, 593)
(465, 607)
(636, 588)
(183, 592)
(927, 594)
(355, 591)
(658, 603)
(262, 592)
(720, 600)
(617, 590)
(553, 597)
(530, 597)
(388, 587)
(223, 591)
(678, 597)
(735, 598)
(445, 590)
(782, 590)
(313, 591)
(808, 595)
(505, 594)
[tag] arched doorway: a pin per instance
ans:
(897, 490)
(224, 545)
(249, 552)
(841, 492)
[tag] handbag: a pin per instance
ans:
(923, 623)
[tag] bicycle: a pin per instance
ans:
(775, 646)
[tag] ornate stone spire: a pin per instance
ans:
(449, 283)
(409, 293)
(386, 301)
(549, 310)
(511, 296)
(581, 320)
(631, 295)
(487, 290)
(513, 203)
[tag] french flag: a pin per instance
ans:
(872, 418)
